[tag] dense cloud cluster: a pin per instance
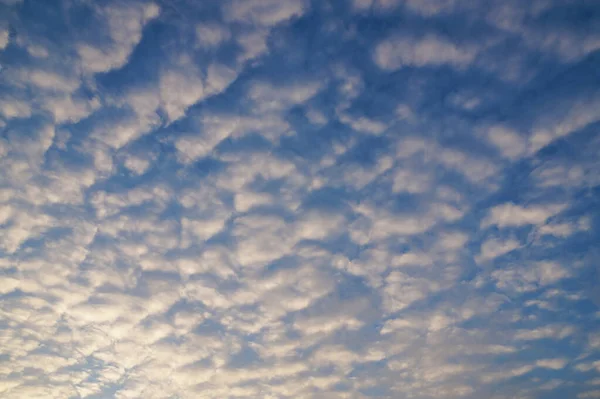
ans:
(299, 199)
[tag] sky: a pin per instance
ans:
(300, 199)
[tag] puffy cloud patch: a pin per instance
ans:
(509, 143)
(4, 38)
(264, 13)
(510, 214)
(125, 23)
(397, 52)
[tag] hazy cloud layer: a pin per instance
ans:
(299, 199)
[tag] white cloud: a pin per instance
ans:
(530, 277)
(361, 5)
(125, 25)
(178, 91)
(402, 290)
(452, 240)
(37, 51)
(218, 78)
(573, 115)
(553, 364)
(553, 332)
(363, 124)
(411, 181)
(358, 176)
(504, 375)
(211, 35)
(27, 153)
(266, 13)
(254, 44)
(261, 240)
(508, 142)
(69, 108)
(589, 395)
(494, 248)
(143, 100)
(412, 258)
(245, 201)
(4, 38)
(318, 226)
(567, 45)
(50, 81)
(557, 230)
(326, 325)
(120, 132)
(316, 117)
(137, 164)
(214, 130)
(561, 175)
(194, 231)
(21, 227)
(397, 52)
(273, 98)
(383, 224)
(15, 109)
(509, 214)
(550, 272)
(375, 5)
(557, 41)
(432, 7)
(587, 366)
(475, 169)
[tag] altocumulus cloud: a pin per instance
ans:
(299, 199)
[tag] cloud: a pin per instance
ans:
(509, 214)
(125, 24)
(211, 35)
(397, 52)
(179, 91)
(433, 7)
(240, 199)
(554, 364)
(530, 277)
(475, 170)
(558, 41)
(70, 108)
(120, 132)
(577, 115)
(50, 81)
(137, 165)
(589, 394)
(504, 375)
(264, 13)
(402, 290)
(555, 332)
(272, 98)
(493, 248)
(15, 109)
(509, 143)
(4, 39)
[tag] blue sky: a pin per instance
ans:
(300, 199)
